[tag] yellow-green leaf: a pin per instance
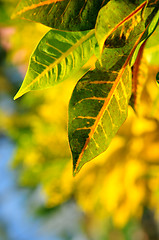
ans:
(97, 109)
(126, 16)
(58, 56)
(151, 28)
(152, 48)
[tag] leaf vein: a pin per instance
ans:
(57, 61)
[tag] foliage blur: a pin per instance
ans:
(118, 192)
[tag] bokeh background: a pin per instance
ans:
(114, 197)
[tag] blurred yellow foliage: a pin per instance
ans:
(113, 184)
(119, 182)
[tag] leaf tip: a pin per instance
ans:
(76, 169)
(19, 94)
(15, 97)
(74, 173)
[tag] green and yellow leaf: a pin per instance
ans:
(97, 109)
(151, 28)
(152, 48)
(71, 15)
(126, 16)
(59, 56)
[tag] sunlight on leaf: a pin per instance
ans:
(58, 56)
(97, 109)
(126, 18)
(151, 28)
(152, 48)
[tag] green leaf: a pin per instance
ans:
(61, 14)
(97, 109)
(152, 48)
(59, 56)
(126, 17)
(151, 28)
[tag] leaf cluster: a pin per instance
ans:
(100, 43)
